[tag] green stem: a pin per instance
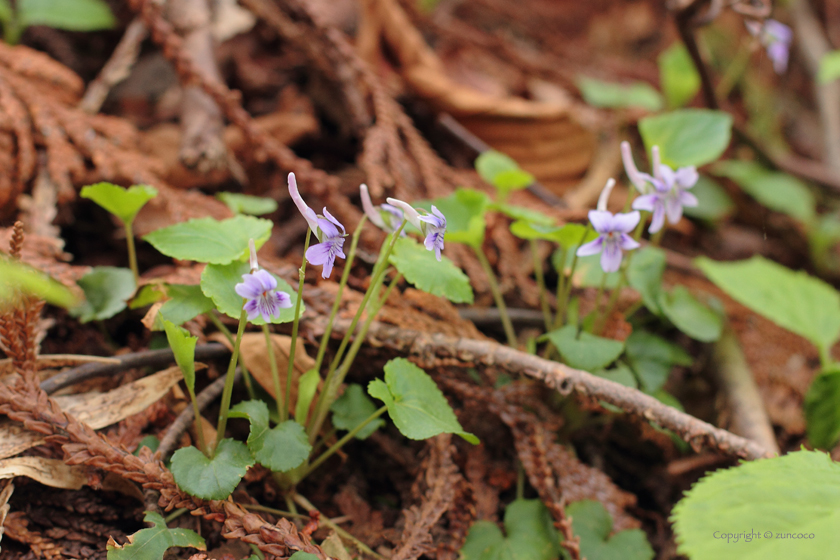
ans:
(229, 336)
(497, 296)
(559, 318)
(287, 398)
(342, 442)
(733, 73)
(327, 396)
(362, 547)
(564, 302)
(132, 254)
(348, 264)
(275, 374)
(199, 430)
(538, 274)
(228, 390)
(175, 515)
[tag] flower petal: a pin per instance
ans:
(611, 257)
(372, 213)
(319, 254)
(266, 280)
(630, 168)
(658, 219)
(592, 248)
(686, 177)
(625, 222)
(250, 287)
(328, 230)
(251, 307)
(646, 202)
(331, 218)
(668, 176)
(627, 243)
(688, 199)
(602, 220)
(307, 212)
(674, 210)
(409, 213)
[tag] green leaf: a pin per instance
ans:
(122, 203)
(690, 316)
(687, 136)
(779, 192)
(307, 386)
(611, 95)
(464, 210)
(106, 288)
(829, 67)
(593, 524)
(72, 15)
(585, 351)
(568, 235)
(822, 410)
(530, 535)
(713, 202)
(185, 303)
(795, 301)
(248, 204)
(415, 404)
(621, 374)
(652, 358)
(521, 213)
(151, 442)
(422, 269)
(218, 283)
(153, 542)
(183, 346)
(211, 479)
(502, 172)
(147, 295)
(6, 13)
(763, 503)
(281, 448)
(678, 76)
(19, 277)
(211, 241)
(645, 275)
(352, 408)
(301, 555)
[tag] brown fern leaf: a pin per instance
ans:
(439, 476)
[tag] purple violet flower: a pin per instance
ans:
(432, 225)
(776, 38)
(384, 216)
(332, 243)
(325, 229)
(668, 196)
(612, 237)
(259, 288)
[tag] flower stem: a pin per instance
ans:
(342, 442)
(199, 430)
(538, 274)
(497, 296)
(322, 348)
(328, 395)
(559, 318)
(229, 336)
(564, 301)
(132, 254)
(228, 390)
(275, 374)
(362, 547)
(287, 398)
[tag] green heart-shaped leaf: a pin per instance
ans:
(107, 289)
(415, 404)
(122, 203)
(211, 479)
(281, 448)
(352, 408)
(584, 350)
(422, 269)
(211, 241)
(153, 542)
(593, 524)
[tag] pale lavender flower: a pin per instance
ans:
(384, 216)
(431, 225)
(776, 38)
(332, 243)
(612, 237)
(325, 229)
(259, 288)
(669, 195)
(434, 231)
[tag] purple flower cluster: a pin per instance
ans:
(385, 216)
(668, 195)
(776, 37)
(325, 228)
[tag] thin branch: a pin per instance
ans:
(430, 348)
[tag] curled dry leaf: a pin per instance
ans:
(94, 409)
(543, 136)
(50, 472)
